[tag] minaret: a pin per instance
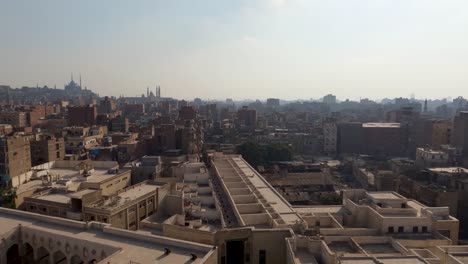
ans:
(8, 95)
(80, 81)
(72, 76)
(425, 106)
(147, 91)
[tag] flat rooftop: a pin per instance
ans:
(63, 198)
(382, 125)
(384, 196)
(122, 246)
(450, 170)
(127, 195)
(257, 202)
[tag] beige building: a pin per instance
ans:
(15, 158)
(36, 238)
(374, 227)
(228, 206)
(330, 135)
(128, 207)
(429, 158)
(15, 118)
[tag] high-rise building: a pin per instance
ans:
(386, 139)
(273, 102)
(247, 117)
(15, 158)
(45, 148)
(15, 118)
(82, 115)
(329, 99)
(330, 136)
(460, 131)
(187, 113)
(107, 105)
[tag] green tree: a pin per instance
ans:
(7, 197)
(330, 199)
(252, 153)
(256, 154)
(278, 152)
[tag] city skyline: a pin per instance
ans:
(289, 49)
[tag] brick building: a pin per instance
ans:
(82, 115)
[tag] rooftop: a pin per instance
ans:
(121, 246)
(383, 125)
(248, 190)
(385, 196)
(127, 195)
(450, 170)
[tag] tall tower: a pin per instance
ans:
(80, 81)
(158, 91)
(425, 106)
(147, 91)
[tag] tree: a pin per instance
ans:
(252, 153)
(256, 154)
(330, 199)
(278, 152)
(7, 197)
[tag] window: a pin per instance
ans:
(262, 257)
(379, 204)
(403, 205)
(401, 229)
(424, 229)
(415, 229)
(390, 229)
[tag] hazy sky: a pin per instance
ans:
(292, 49)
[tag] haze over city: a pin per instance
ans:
(289, 49)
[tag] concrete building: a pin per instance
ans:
(147, 168)
(273, 102)
(330, 136)
(15, 157)
(227, 205)
(247, 118)
(128, 207)
(6, 129)
(384, 139)
(329, 99)
(439, 187)
(119, 124)
(376, 180)
(46, 148)
(460, 133)
(34, 238)
(15, 118)
(79, 140)
(71, 175)
(428, 158)
(389, 227)
(134, 110)
(107, 105)
(82, 115)
(187, 113)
